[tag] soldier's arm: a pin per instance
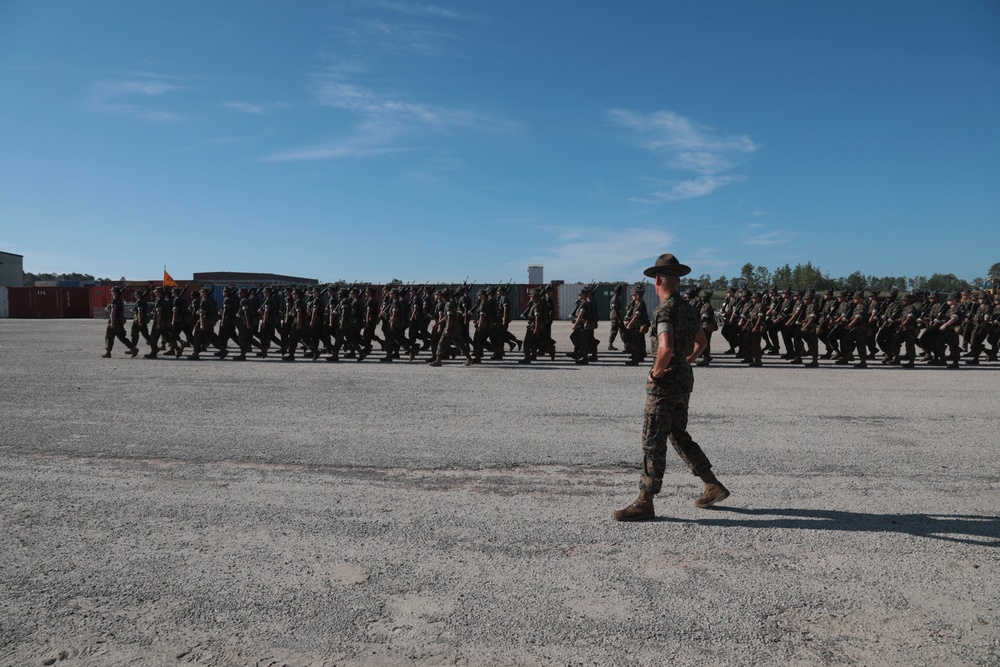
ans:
(664, 352)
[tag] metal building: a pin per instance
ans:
(536, 274)
(11, 269)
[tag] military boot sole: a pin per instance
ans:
(634, 513)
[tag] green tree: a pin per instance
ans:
(994, 272)
(783, 276)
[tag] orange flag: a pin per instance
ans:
(167, 280)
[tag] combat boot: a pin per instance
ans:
(240, 357)
(640, 510)
(714, 493)
(106, 355)
(811, 364)
(151, 355)
(612, 348)
(468, 360)
(431, 361)
(702, 363)
(134, 351)
(436, 362)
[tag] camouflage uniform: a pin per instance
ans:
(666, 412)
(116, 323)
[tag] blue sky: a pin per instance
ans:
(366, 140)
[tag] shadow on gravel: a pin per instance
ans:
(981, 531)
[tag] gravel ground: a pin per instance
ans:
(215, 513)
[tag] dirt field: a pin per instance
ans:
(161, 512)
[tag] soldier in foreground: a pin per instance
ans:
(668, 389)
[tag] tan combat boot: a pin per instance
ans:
(714, 493)
(640, 510)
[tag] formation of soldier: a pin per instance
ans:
(330, 323)
(344, 323)
(858, 326)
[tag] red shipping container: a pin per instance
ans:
(75, 301)
(49, 302)
(20, 300)
(100, 296)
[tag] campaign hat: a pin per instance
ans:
(667, 265)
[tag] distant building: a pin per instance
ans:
(11, 269)
(223, 277)
(536, 274)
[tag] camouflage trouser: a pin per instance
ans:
(666, 418)
(116, 330)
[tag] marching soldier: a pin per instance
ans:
(450, 331)
(116, 324)
(204, 331)
(161, 323)
(140, 321)
(636, 326)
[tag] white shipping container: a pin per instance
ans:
(4, 306)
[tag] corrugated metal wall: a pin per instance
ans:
(4, 310)
(569, 291)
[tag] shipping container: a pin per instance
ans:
(100, 297)
(49, 302)
(75, 302)
(4, 312)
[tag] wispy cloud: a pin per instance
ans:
(579, 255)
(385, 123)
(770, 238)
(126, 98)
(257, 109)
(685, 146)
(421, 9)
(686, 189)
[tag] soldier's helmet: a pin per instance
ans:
(535, 293)
(482, 292)
(933, 295)
(707, 294)
(116, 289)
(445, 293)
(158, 290)
(344, 291)
(757, 295)
(954, 296)
(828, 292)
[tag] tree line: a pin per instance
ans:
(804, 276)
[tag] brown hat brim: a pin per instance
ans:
(672, 270)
